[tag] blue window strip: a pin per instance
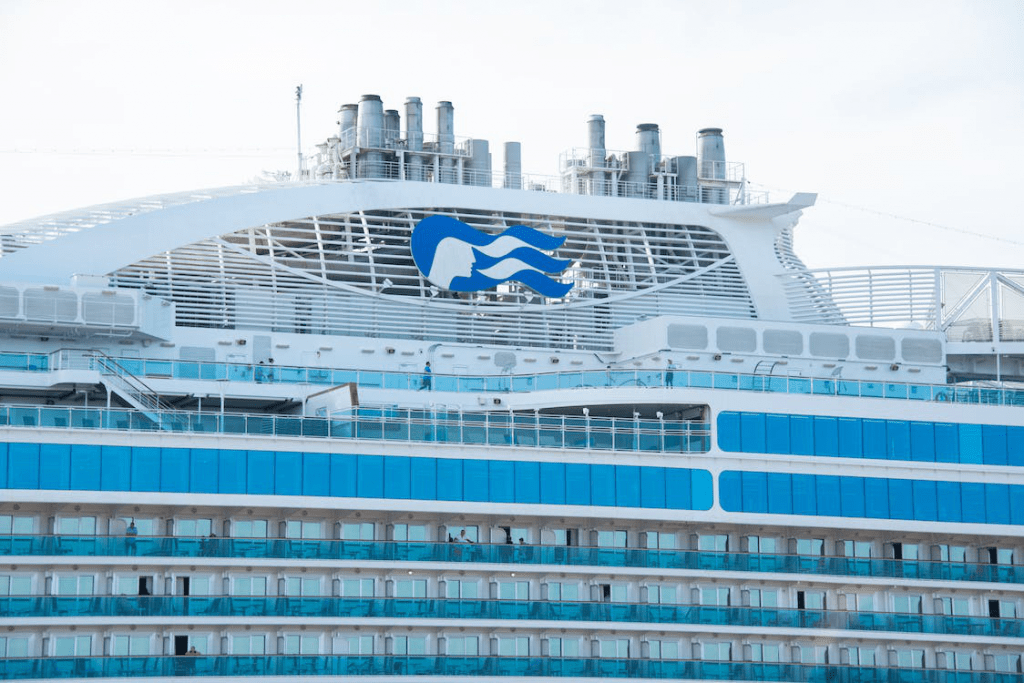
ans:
(871, 497)
(872, 438)
(196, 470)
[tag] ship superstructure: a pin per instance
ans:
(407, 414)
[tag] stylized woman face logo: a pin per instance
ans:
(452, 258)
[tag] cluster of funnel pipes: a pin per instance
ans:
(646, 173)
(371, 144)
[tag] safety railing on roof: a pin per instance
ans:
(579, 379)
(491, 429)
(502, 553)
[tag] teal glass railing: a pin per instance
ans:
(25, 362)
(429, 665)
(499, 553)
(426, 608)
(491, 429)
(277, 374)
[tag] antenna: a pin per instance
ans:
(298, 127)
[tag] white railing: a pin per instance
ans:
(452, 173)
(967, 304)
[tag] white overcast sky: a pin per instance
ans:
(909, 109)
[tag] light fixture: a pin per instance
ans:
(717, 356)
(894, 367)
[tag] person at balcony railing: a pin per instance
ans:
(426, 383)
(131, 533)
(670, 373)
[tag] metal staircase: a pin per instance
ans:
(132, 390)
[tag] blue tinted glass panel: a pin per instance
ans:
(174, 469)
(970, 444)
(343, 475)
(23, 464)
(701, 495)
(778, 433)
(259, 472)
(652, 487)
(288, 473)
(1016, 504)
(730, 492)
(826, 436)
(948, 493)
(85, 466)
(503, 482)
(144, 469)
(316, 474)
(947, 442)
(876, 498)
(423, 472)
(828, 495)
(474, 480)
(997, 504)
(552, 483)
(922, 441)
(925, 502)
(901, 499)
(449, 479)
(232, 471)
(874, 439)
(397, 483)
(602, 485)
(729, 431)
(972, 501)
(780, 494)
(627, 486)
(1015, 446)
(898, 440)
(850, 438)
(993, 445)
(203, 471)
(852, 501)
(754, 490)
(117, 468)
(752, 432)
(577, 484)
(55, 466)
(801, 434)
(679, 489)
(804, 495)
(370, 476)
(3, 467)
(527, 479)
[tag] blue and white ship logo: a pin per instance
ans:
(460, 258)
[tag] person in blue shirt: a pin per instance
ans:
(426, 384)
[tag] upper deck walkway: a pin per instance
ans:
(516, 383)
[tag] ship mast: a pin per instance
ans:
(298, 129)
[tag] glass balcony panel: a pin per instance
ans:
(873, 389)
(726, 381)
(570, 380)
(896, 391)
(184, 370)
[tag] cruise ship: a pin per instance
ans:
(411, 413)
